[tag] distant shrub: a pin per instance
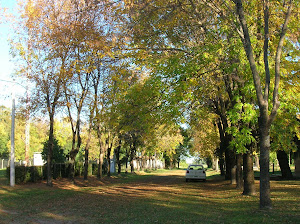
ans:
(24, 174)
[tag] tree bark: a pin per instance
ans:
(239, 171)
(230, 164)
(265, 194)
(256, 161)
(100, 164)
(101, 155)
(50, 151)
(233, 175)
(131, 161)
(222, 147)
(222, 171)
(155, 161)
(86, 163)
(132, 154)
(249, 184)
(284, 165)
(117, 153)
(126, 164)
(108, 160)
(86, 157)
(101, 151)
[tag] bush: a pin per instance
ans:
(60, 170)
(36, 173)
(25, 174)
(79, 169)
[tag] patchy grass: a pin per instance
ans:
(146, 197)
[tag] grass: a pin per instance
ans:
(147, 197)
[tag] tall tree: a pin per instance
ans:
(263, 96)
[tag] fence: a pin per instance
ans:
(4, 163)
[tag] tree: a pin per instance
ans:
(205, 136)
(283, 133)
(169, 141)
(137, 116)
(58, 155)
(47, 60)
(263, 96)
(182, 150)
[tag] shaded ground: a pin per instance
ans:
(161, 197)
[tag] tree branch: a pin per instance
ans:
(249, 52)
(276, 102)
(159, 49)
(266, 49)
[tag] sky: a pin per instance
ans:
(6, 64)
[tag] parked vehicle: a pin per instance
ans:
(195, 172)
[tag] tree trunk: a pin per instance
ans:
(87, 146)
(100, 164)
(86, 157)
(216, 164)
(132, 157)
(284, 165)
(98, 168)
(117, 153)
(131, 166)
(249, 184)
(222, 170)
(72, 157)
(230, 163)
(256, 161)
(86, 163)
(233, 175)
(108, 160)
(101, 153)
(143, 162)
(239, 171)
(72, 170)
(155, 161)
(265, 195)
(126, 164)
(76, 149)
(222, 147)
(50, 151)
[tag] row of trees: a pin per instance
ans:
(133, 71)
(225, 58)
(69, 51)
